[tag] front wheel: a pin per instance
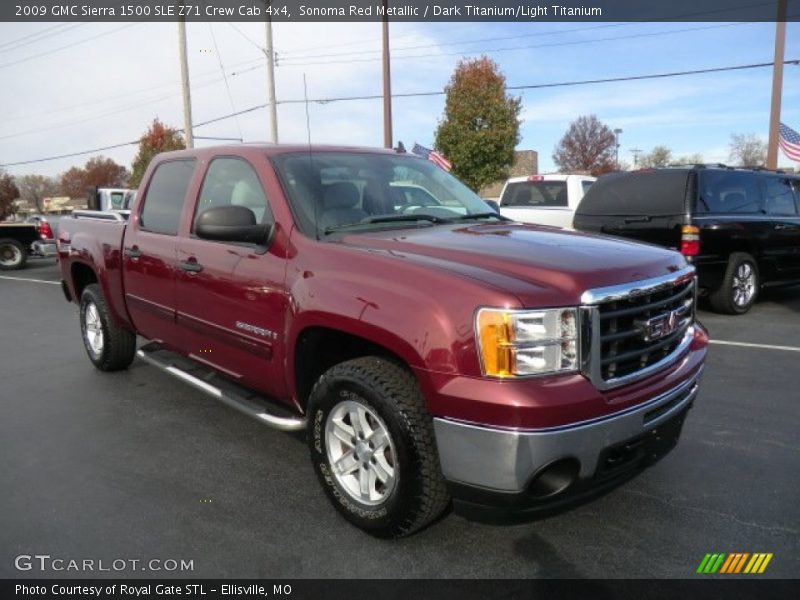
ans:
(740, 286)
(13, 255)
(109, 346)
(373, 447)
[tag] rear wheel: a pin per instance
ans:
(740, 286)
(373, 447)
(13, 255)
(110, 347)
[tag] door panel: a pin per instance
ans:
(231, 299)
(150, 249)
(781, 207)
(231, 312)
(149, 268)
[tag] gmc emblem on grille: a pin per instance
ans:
(662, 325)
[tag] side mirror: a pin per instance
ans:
(494, 205)
(232, 224)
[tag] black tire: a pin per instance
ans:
(419, 495)
(118, 345)
(728, 298)
(13, 255)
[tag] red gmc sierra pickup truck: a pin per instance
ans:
(432, 349)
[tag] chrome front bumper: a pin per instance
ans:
(506, 460)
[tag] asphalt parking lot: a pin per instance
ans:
(138, 465)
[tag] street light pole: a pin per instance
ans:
(617, 131)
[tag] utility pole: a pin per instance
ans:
(777, 86)
(617, 131)
(387, 83)
(187, 99)
(273, 109)
(635, 152)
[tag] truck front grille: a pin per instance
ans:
(636, 329)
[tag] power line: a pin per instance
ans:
(38, 36)
(81, 153)
(64, 47)
(224, 76)
(292, 56)
(125, 108)
(553, 85)
(685, 16)
(289, 62)
(417, 94)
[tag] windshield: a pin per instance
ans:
(338, 191)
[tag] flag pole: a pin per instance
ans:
(777, 85)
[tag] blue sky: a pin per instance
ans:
(112, 79)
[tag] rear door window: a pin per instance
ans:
(728, 192)
(651, 193)
(779, 198)
(166, 193)
(534, 194)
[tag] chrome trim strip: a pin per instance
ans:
(592, 367)
(97, 215)
(653, 403)
(635, 288)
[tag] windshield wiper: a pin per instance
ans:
(417, 217)
(485, 215)
(388, 219)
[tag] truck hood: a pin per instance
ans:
(540, 265)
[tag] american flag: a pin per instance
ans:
(790, 142)
(432, 155)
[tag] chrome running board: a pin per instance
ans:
(207, 381)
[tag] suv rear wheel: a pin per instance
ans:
(373, 448)
(739, 287)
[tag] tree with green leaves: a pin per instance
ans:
(8, 193)
(588, 146)
(480, 126)
(158, 138)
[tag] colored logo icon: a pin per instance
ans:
(735, 562)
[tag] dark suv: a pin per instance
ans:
(740, 227)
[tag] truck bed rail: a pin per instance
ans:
(99, 215)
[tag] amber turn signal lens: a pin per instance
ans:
(494, 333)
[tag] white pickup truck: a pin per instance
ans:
(544, 199)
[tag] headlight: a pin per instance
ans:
(518, 343)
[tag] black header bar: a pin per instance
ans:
(523, 11)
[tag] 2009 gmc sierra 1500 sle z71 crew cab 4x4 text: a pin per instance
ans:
(431, 352)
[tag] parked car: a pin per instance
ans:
(544, 199)
(739, 227)
(16, 240)
(431, 352)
